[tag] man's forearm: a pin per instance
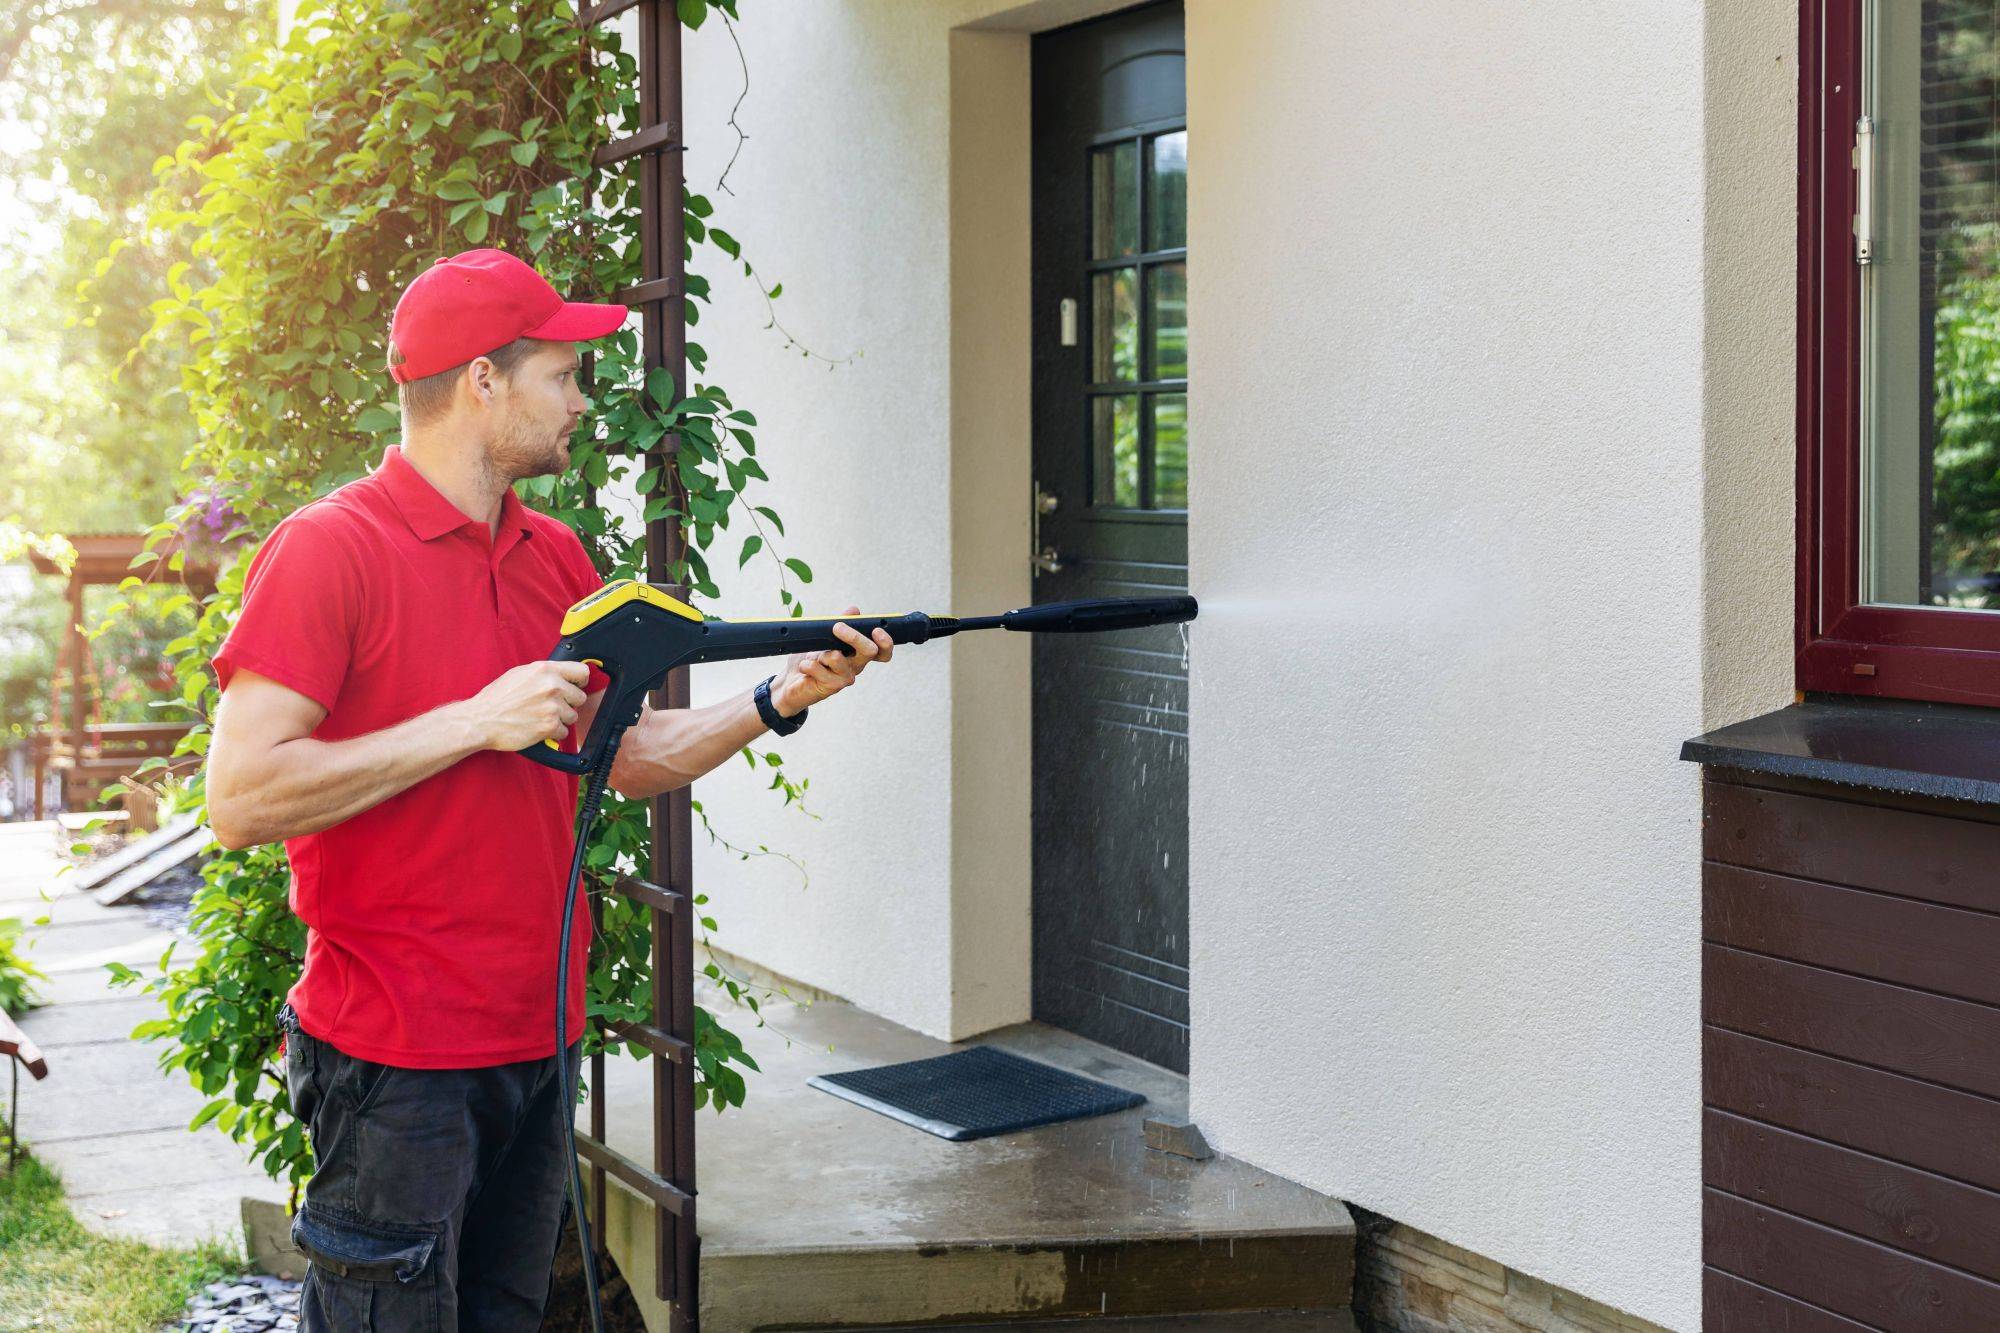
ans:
(305, 785)
(672, 747)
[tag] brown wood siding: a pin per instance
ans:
(1850, 1061)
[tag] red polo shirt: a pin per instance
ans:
(433, 916)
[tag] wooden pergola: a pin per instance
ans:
(92, 754)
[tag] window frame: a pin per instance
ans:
(1142, 389)
(1843, 645)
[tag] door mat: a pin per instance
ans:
(976, 1092)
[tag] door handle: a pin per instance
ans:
(1043, 558)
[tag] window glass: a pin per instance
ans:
(1114, 439)
(1169, 450)
(1166, 191)
(1114, 327)
(1166, 316)
(1114, 200)
(1930, 306)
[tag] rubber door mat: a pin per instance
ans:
(976, 1092)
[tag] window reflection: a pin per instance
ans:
(1170, 451)
(1114, 200)
(1931, 308)
(1166, 192)
(1166, 313)
(1114, 324)
(1114, 430)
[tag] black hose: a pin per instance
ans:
(593, 795)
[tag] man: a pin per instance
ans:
(386, 664)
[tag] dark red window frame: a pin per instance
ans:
(1843, 646)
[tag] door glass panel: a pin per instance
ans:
(1114, 438)
(1166, 192)
(1114, 200)
(1170, 453)
(1114, 326)
(1930, 308)
(1166, 315)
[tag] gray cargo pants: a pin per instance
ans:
(439, 1196)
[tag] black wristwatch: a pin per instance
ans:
(783, 726)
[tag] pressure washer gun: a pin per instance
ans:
(636, 634)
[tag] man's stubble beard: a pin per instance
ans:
(522, 452)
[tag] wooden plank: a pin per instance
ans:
(657, 1189)
(1902, 1119)
(1898, 1206)
(1953, 1042)
(660, 1043)
(131, 854)
(1731, 1305)
(134, 878)
(14, 1044)
(1940, 860)
(76, 821)
(1944, 949)
(1841, 1273)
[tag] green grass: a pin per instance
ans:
(56, 1275)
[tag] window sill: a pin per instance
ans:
(1946, 751)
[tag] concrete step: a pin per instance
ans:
(819, 1214)
(1303, 1321)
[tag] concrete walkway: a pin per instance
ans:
(107, 1119)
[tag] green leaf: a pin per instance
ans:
(487, 138)
(751, 545)
(692, 12)
(772, 515)
(524, 153)
(475, 230)
(799, 567)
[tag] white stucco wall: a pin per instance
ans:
(885, 183)
(1491, 504)
(840, 193)
(1449, 397)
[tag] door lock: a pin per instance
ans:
(1045, 560)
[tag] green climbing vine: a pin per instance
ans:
(384, 133)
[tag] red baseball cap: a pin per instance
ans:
(469, 304)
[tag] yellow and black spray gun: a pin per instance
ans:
(637, 634)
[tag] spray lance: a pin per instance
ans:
(637, 633)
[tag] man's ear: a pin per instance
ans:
(482, 381)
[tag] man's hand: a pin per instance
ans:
(811, 677)
(530, 704)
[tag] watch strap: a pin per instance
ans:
(778, 723)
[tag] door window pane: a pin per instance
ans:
(1166, 192)
(1170, 452)
(1166, 314)
(1114, 326)
(1114, 439)
(1114, 200)
(1931, 308)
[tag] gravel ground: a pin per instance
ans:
(259, 1304)
(251, 1304)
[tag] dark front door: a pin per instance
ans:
(1111, 460)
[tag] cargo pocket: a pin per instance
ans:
(350, 1246)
